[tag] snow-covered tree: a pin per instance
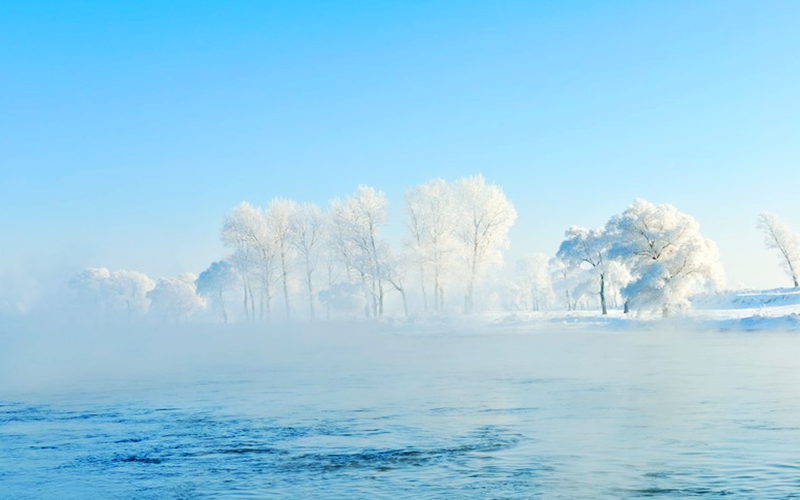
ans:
(279, 215)
(564, 279)
(587, 250)
(430, 209)
(175, 298)
(245, 232)
(130, 290)
(307, 232)
(779, 236)
(91, 287)
(533, 281)
(484, 217)
(668, 258)
(214, 282)
(356, 223)
(394, 273)
(113, 292)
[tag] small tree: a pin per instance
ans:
(780, 237)
(585, 247)
(533, 281)
(214, 281)
(175, 298)
(307, 231)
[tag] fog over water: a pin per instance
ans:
(367, 410)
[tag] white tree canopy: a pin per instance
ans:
(781, 237)
(113, 292)
(175, 298)
(533, 281)
(279, 215)
(245, 231)
(431, 222)
(483, 218)
(214, 282)
(306, 235)
(586, 251)
(668, 258)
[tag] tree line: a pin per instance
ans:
(336, 261)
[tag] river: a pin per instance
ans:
(552, 413)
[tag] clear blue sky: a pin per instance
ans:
(128, 129)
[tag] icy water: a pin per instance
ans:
(540, 414)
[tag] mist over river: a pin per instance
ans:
(370, 411)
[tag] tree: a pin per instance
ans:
(356, 224)
(279, 215)
(307, 230)
(394, 272)
(214, 281)
(113, 291)
(668, 258)
(130, 290)
(431, 224)
(245, 231)
(564, 281)
(175, 298)
(585, 247)
(484, 217)
(780, 237)
(533, 281)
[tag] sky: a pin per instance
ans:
(129, 129)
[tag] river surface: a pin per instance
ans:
(552, 414)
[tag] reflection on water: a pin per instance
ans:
(515, 415)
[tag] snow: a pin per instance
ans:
(744, 310)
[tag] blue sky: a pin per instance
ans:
(127, 131)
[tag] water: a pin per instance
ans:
(516, 414)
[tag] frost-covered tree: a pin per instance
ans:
(484, 217)
(279, 215)
(175, 298)
(668, 258)
(113, 292)
(356, 224)
(91, 287)
(394, 273)
(779, 236)
(430, 209)
(307, 230)
(214, 282)
(533, 281)
(587, 250)
(130, 290)
(564, 281)
(245, 231)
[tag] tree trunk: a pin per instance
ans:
(222, 305)
(328, 302)
(468, 299)
(405, 304)
(424, 292)
(603, 293)
(380, 298)
(246, 310)
(285, 284)
(310, 296)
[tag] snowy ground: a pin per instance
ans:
(745, 310)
